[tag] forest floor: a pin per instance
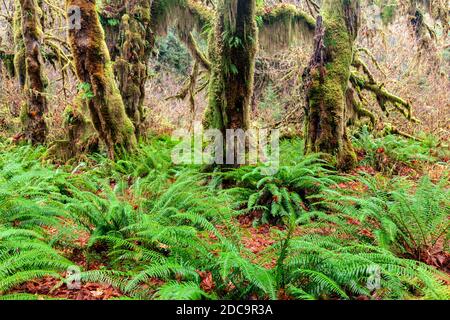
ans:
(142, 227)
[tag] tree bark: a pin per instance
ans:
(19, 46)
(131, 66)
(327, 80)
(131, 42)
(232, 56)
(6, 61)
(32, 113)
(95, 72)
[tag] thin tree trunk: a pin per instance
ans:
(6, 60)
(19, 46)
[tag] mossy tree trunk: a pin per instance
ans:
(110, 17)
(32, 113)
(232, 55)
(130, 66)
(95, 72)
(19, 46)
(327, 79)
(130, 29)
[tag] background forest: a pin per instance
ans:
(93, 207)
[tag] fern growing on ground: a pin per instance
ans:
(286, 191)
(389, 152)
(24, 256)
(412, 222)
(160, 231)
(326, 267)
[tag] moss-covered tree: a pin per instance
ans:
(335, 82)
(135, 43)
(135, 38)
(233, 46)
(32, 113)
(328, 76)
(98, 87)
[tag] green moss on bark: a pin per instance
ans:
(19, 46)
(130, 67)
(183, 15)
(94, 68)
(34, 127)
(284, 25)
(233, 46)
(329, 74)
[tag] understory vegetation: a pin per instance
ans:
(105, 105)
(141, 227)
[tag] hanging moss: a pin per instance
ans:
(284, 25)
(130, 67)
(183, 15)
(183, 18)
(94, 70)
(131, 39)
(328, 76)
(174, 54)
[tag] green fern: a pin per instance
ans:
(287, 192)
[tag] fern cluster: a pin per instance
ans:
(288, 191)
(388, 152)
(411, 221)
(160, 230)
(29, 195)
